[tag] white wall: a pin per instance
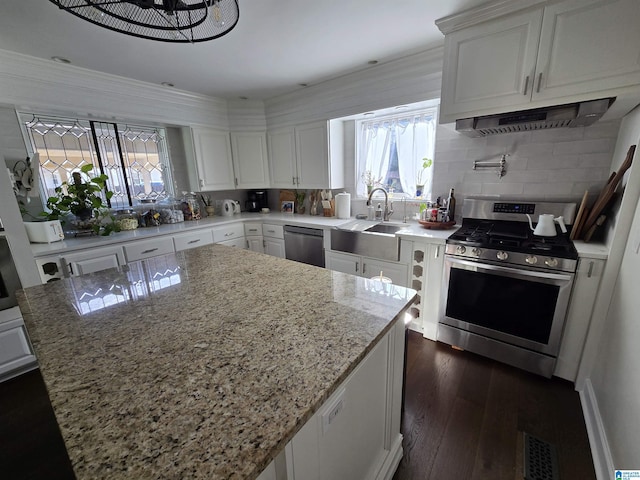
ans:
(615, 378)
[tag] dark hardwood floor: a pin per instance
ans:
(464, 417)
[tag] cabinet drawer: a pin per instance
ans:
(185, 241)
(228, 232)
(148, 248)
(234, 242)
(253, 228)
(275, 231)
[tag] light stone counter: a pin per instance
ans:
(202, 364)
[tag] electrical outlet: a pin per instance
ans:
(332, 411)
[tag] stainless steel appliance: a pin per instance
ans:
(304, 245)
(507, 289)
(9, 280)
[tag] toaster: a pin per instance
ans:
(44, 232)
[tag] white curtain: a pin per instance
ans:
(373, 154)
(415, 140)
(414, 136)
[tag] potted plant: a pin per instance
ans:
(420, 177)
(82, 199)
(369, 180)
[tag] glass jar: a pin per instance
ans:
(190, 206)
(127, 219)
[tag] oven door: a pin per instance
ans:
(514, 305)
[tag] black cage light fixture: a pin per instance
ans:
(182, 21)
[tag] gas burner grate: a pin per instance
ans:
(540, 459)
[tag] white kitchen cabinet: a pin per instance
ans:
(570, 50)
(253, 235)
(16, 354)
(356, 433)
(142, 249)
(231, 231)
(250, 161)
(427, 266)
(366, 267)
(238, 242)
(209, 159)
(307, 156)
(273, 236)
(282, 158)
(93, 260)
(187, 240)
(583, 296)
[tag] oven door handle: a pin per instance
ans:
(512, 271)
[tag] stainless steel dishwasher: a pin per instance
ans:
(304, 244)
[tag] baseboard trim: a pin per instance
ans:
(602, 460)
(392, 460)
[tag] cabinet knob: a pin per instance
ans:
(356, 266)
(539, 82)
(526, 85)
(590, 272)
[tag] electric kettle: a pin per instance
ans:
(228, 208)
(546, 226)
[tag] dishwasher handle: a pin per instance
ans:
(315, 232)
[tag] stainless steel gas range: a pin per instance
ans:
(507, 290)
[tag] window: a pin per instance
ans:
(391, 150)
(133, 157)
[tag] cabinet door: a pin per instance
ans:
(250, 162)
(586, 46)
(583, 296)
(312, 153)
(396, 272)
(343, 262)
(489, 66)
(274, 247)
(235, 242)
(212, 150)
(15, 349)
(228, 232)
(432, 290)
(94, 260)
(255, 243)
(282, 158)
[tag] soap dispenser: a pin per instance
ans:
(379, 212)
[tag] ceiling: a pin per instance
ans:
(276, 46)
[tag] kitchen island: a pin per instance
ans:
(208, 362)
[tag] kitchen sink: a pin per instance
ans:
(375, 241)
(385, 228)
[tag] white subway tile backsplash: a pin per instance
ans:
(549, 164)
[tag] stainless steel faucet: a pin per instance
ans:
(387, 211)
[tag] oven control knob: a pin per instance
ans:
(476, 252)
(502, 255)
(460, 249)
(531, 259)
(551, 262)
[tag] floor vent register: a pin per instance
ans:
(540, 459)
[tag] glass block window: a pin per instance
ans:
(135, 158)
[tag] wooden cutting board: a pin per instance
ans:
(580, 217)
(608, 191)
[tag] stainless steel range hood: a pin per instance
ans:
(579, 114)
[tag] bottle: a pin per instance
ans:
(379, 212)
(371, 213)
(451, 207)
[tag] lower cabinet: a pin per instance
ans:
(356, 433)
(16, 354)
(142, 249)
(366, 267)
(583, 297)
(427, 264)
(187, 240)
(94, 260)
(273, 240)
(253, 235)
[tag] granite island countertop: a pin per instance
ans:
(200, 364)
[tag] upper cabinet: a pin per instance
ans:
(571, 50)
(223, 161)
(212, 159)
(250, 161)
(307, 156)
